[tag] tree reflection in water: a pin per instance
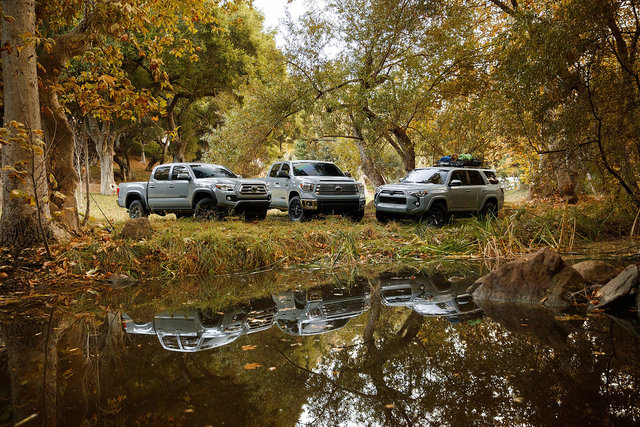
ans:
(396, 364)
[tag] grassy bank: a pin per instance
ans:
(189, 247)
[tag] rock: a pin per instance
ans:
(598, 272)
(136, 229)
(538, 278)
(119, 281)
(623, 285)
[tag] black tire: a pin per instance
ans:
(296, 213)
(356, 216)
(255, 215)
(436, 216)
(382, 217)
(490, 210)
(206, 209)
(137, 210)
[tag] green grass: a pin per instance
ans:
(185, 247)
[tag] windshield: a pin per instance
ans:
(426, 176)
(211, 171)
(316, 169)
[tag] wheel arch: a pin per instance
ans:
(202, 194)
(493, 199)
(291, 195)
(134, 196)
(439, 200)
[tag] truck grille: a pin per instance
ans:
(393, 200)
(343, 308)
(336, 189)
(260, 319)
(253, 189)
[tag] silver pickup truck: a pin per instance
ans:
(206, 190)
(434, 193)
(306, 187)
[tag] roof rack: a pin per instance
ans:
(475, 163)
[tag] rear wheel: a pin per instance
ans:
(296, 213)
(436, 216)
(206, 209)
(137, 210)
(490, 210)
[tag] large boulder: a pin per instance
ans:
(137, 229)
(595, 271)
(619, 288)
(538, 278)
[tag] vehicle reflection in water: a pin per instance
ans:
(307, 312)
(428, 296)
(196, 330)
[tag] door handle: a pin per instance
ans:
(152, 186)
(171, 185)
(468, 190)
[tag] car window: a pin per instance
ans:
(162, 173)
(286, 168)
(426, 176)
(475, 178)
(316, 169)
(273, 173)
(177, 170)
(211, 171)
(460, 175)
(491, 177)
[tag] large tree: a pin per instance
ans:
(25, 217)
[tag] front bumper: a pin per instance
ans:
(241, 203)
(333, 205)
(404, 204)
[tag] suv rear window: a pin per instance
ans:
(491, 177)
(316, 169)
(475, 178)
(162, 173)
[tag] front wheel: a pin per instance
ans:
(296, 213)
(206, 209)
(436, 216)
(137, 210)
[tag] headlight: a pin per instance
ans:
(307, 186)
(225, 187)
(361, 188)
(420, 193)
(378, 190)
(316, 313)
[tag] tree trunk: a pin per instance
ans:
(58, 132)
(23, 223)
(368, 165)
(105, 139)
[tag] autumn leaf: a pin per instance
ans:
(251, 366)
(249, 347)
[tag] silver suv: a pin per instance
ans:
(433, 194)
(306, 187)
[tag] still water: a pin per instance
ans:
(400, 347)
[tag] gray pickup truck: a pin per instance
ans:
(434, 193)
(306, 187)
(206, 190)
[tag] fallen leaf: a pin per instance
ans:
(249, 347)
(390, 406)
(252, 366)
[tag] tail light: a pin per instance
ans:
(118, 191)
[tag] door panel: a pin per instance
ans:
(179, 188)
(459, 196)
(158, 189)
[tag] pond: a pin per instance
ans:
(398, 347)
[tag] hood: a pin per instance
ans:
(406, 186)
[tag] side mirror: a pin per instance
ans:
(455, 183)
(183, 177)
(348, 174)
(282, 174)
(239, 176)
